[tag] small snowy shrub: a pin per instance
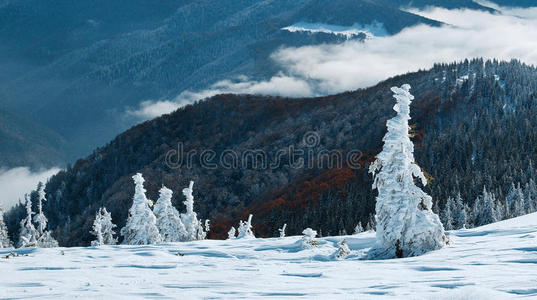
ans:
(231, 233)
(308, 240)
(245, 229)
(343, 251)
(282, 231)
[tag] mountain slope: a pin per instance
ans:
(466, 117)
(24, 143)
(76, 68)
(491, 262)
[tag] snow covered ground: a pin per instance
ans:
(498, 261)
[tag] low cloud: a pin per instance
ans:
(14, 183)
(328, 69)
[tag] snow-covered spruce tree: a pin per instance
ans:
(245, 229)
(484, 209)
(28, 234)
(447, 214)
(107, 227)
(201, 233)
(45, 239)
(103, 228)
(460, 216)
(308, 241)
(141, 228)
(193, 227)
(530, 196)
(5, 242)
(231, 233)
(406, 225)
(97, 230)
(282, 231)
(358, 228)
(168, 220)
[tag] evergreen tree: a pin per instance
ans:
(447, 214)
(193, 227)
(28, 233)
(45, 239)
(231, 233)
(530, 196)
(484, 209)
(141, 228)
(282, 230)
(103, 228)
(245, 229)
(107, 227)
(460, 217)
(406, 225)
(358, 228)
(168, 220)
(4, 237)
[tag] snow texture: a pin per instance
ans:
(497, 261)
(406, 225)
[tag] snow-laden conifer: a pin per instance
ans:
(141, 228)
(447, 214)
(406, 225)
(45, 239)
(358, 228)
(231, 233)
(282, 231)
(245, 229)
(28, 234)
(484, 209)
(193, 226)
(5, 242)
(168, 219)
(460, 217)
(103, 228)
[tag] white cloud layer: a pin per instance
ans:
(328, 69)
(14, 183)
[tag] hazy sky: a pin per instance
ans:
(328, 69)
(16, 182)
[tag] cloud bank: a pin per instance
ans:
(14, 183)
(328, 69)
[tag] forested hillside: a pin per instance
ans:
(473, 126)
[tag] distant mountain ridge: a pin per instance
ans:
(75, 67)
